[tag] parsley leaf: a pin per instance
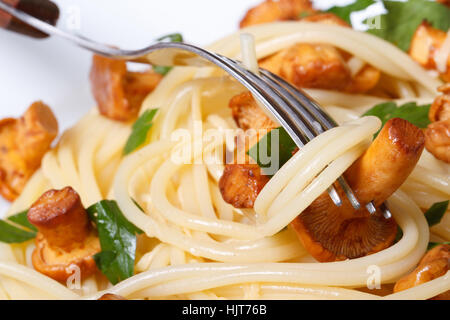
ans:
(431, 245)
(140, 131)
(304, 14)
(345, 11)
(162, 70)
(117, 239)
(417, 115)
(402, 19)
(9, 233)
(278, 141)
(22, 219)
(436, 212)
(174, 37)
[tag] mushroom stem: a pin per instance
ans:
(387, 163)
(61, 219)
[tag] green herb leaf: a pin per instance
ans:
(417, 115)
(431, 245)
(10, 233)
(22, 219)
(436, 212)
(174, 37)
(137, 205)
(345, 11)
(162, 70)
(399, 235)
(140, 131)
(278, 141)
(304, 14)
(402, 19)
(117, 240)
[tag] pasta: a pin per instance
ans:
(196, 245)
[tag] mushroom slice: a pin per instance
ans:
(310, 66)
(240, 184)
(434, 264)
(248, 115)
(65, 238)
(331, 233)
(426, 42)
(270, 11)
(110, 296)
(23, 143)
(119, 93)
(366, 79)
(438, 133)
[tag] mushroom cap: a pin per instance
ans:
(60, 265)
(328, 235)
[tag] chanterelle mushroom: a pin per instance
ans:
(118, 92)
(426, 42)
(438, 132)
(270, 11)
(434, 264)
(65, 238)
(332, 233)
(23, 143)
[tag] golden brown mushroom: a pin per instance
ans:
(240, 184)
(438, 132)
(310, 66)
(23, 143)
(110, 296)
(248, 115)
(270, 11)
(425, 44)
(65, 238)
(119, 93)
(331, 233)
(434, 264)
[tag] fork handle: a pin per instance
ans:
(43, 10)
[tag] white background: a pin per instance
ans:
(56, 72)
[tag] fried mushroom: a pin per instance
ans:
(310, 66)
(240, 184)
(438, 132)
(66, 237)
(119, 93)
(23, 143)
(331, 233)
(434, 264)
(248, 115)
(270, 11)
(426, 42)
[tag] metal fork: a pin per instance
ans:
(299, 114)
